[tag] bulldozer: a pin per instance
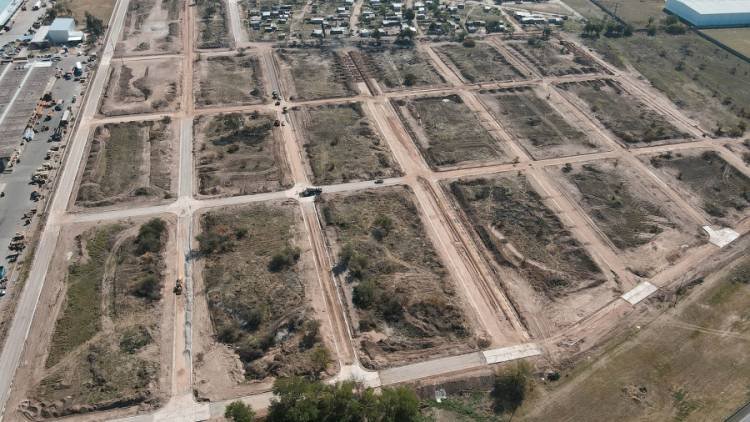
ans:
(178, 287)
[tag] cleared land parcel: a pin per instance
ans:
(211, 21)
(708, 182)
(257, 275)
(447, 132)
(632, 121)
(239, 154)
(105, 349)
(539, 126)
(481, 63)
(342, 145)
(399, 68)
(151, 27)
(553, 57)
(401, 301)
(129, 161)
(638, 219)
(228, 80)
(312, 74)
(142, 86)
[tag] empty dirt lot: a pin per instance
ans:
(142, 86)
(481, 63)
(342, 144)
(545, 129)
(128, 162)
(399, 68)
(707, 181)
(447, 132)
(109, 330)
(538, 260)
(628, 118)
(239, 154)
(256, 281)
(151, 27)
(634, 215)
(312, 73)
(227, 80)
(552, 57)
(401, 301)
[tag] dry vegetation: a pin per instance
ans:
(447, 132)
(521, 232)
(481, 63)
(211, 21)
(128, 161)
(632, 121)
(104, 351)
(151, 27)
(542, 129)
(638, 219)
(552, 57)
(142, 87)
(228, 80)
(256, 281)
(400, 298)
(342, 145)
(399, 68)
(310, 74)
(708, 182)
(239, 154)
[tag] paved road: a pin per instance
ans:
(19, 330)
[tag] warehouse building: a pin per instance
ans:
(711, 13)
(62, 31)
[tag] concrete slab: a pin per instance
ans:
(431, 368)
(721, 237)
(639, 292)
(505, 354)
(358, 374)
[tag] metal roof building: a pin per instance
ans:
(711, 13)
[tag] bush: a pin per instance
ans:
(410, 79)
(213, 242)
(148, 288)
(238, 411)
(363, 294)
(284, 259)
(311, 329)
(509, 391)
(469, 43)
(134, 339)
(150, 236)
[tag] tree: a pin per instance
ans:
(238, 411)
(409, 15)
(509, 390)
(298, 400)
(94, 26)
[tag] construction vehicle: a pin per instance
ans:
(177, 287)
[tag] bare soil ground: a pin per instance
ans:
(228, 80)
(109, 338)
(310, 74)
(648, 231)
(212, 24)
(543, 127)
(239, 154)
(399, 68)
(627, 117)
(481, 63)
(741, 150)
(447, 132)
(256, 276)
(128, 162)
(552, 58)
(707, 181)
(342, 145)
(401, 301)
(151, 27)
(142, 86)
(547, 272)
(690, 363)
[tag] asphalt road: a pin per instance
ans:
(19, 329)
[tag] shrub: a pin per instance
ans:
(238, 411)
(363, 294)
(284, 259)
(134, 339)
(311, 329)
(150, 236)
(469, 43)
(148, 288)
(509, 390)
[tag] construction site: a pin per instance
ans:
(234, 211)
